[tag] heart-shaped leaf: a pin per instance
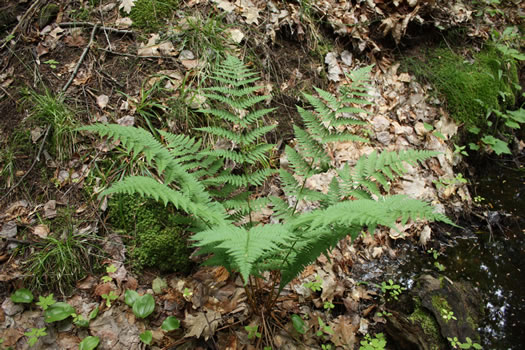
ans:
(22, 296)
(58, 312)
(144, 306)
(298, 324)
(170, 323)
(89, 343)
(146, 337)
(130, 297)
(93, 314)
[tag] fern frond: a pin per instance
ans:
(380, 168)
(240, 103)
(244, 246)
(256, 178)
(310, 147)
(139, 140)
(148, 187)
(298, 163)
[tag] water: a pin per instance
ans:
(491, 257)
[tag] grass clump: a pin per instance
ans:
(159, 239)
(51, 110)
(63, 258)
(151, 14)
(471, 86)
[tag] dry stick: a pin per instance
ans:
(84, 53)
(90, 25)
(32, 165)
(24, 17)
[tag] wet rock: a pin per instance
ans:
(419, 319)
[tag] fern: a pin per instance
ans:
(213, 187)
(242, 128)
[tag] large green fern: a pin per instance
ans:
(202, 182)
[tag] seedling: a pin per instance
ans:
(23, 296)
(323, 328)
(109, 297)
(252, 331)
(146, 337)
(46, 302)
(316, 285)
(454, 342)
(109, 269)
(448, 315)
(328, 305)
(52, 63)
(393, 290)
(34, 334)
(376, 343)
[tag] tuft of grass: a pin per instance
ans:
(151, 15)
(17, 146)
(63, 258)
(471, 86)
(51, 109)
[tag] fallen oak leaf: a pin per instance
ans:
(203, 324)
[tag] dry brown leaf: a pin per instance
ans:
(202, 324)
(126, 5)
(102, 101)
(41, 231)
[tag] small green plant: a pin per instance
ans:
(187, 293)
(315, 286)
(328, 305)
(444, 182)
(478, 199)
(152, 14)
(378, 342)
(252, 331)
(52, 63)
(143, 306)
(109, 297)
(89, 343)
(34, 334)
(323, 328)
(298, 324)
(22, 295)
(58, 311)
(109, 269)
(455, 343)
(391, 289)
(439, 266)
(447, 315)
(326, 346)
(460, 150)
(46, 302)
(435, 254)
(146, 337)
(171, 323)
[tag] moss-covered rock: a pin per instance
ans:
(471, 82)
(160, 241)
(152, 14)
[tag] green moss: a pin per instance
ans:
(427, 322)
(440, 303)
(159, 242)
(463, 81)
(151, 14)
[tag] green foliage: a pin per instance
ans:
(392, 289)
(51, 110)
(316, 285)
(298, 324)
(59, 263)
(171, 323)
(109, 297)
(159, 240)
(89, 343)
(130, 296)
(34, 334)
(203, 194)
(252, 331)
(376, 343)
(22, 295)
(46, 302)
(152, 14)
(58, 311)
(146, 337)
(455, 343)
(144, 306)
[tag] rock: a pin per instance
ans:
(380, 123)
(418, 319)
(10, 308)
(384, 137)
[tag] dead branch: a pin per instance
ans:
(84, 53)
(98, 26)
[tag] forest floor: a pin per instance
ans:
(143, 63)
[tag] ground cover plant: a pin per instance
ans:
(203, 182)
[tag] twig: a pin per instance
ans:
(32, 165)
(22, 19)
(133, 55)
(84, 53)
(90, 25)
